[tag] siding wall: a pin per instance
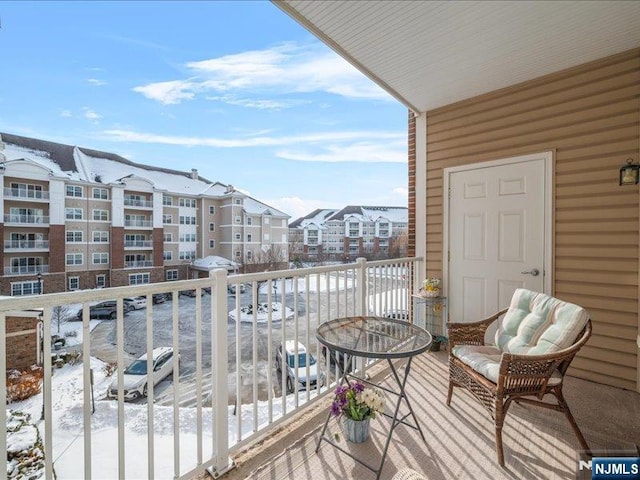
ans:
(590, 117)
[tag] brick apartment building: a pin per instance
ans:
(354, 231)
(76, 218)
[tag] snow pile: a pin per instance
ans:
(25, 452)
(278, 311)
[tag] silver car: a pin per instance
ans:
(298, 374)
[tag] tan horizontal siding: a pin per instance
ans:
(589, 117)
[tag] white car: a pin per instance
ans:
(299, 374)
(135, 375)
(136, 303)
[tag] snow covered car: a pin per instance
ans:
(135, 303)
(232, 288)
(136, 378)
(304, 357)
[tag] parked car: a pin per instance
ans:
(304, 358)
(136, 379)
(106, 309)
(191, 293)
(159, 298)
(341, 358)
(57, 342)
(232, 288)
(136, 303)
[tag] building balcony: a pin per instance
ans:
(138, 224)
(27, 220)
(138, 244)
(24, 194)
(138, 204)
(138, 264)
(26, 270)
(20, 245)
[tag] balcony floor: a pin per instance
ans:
(538, 443)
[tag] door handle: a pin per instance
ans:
(533, 272)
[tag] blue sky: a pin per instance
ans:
(237, 90)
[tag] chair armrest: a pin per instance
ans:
(470, 333)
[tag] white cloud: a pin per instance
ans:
(168, 92)
(389, 146)
(401, 192)
(66, 113)
(95, 82)
(371, 151)
(91, 115)
(283, 69)
(261, 104)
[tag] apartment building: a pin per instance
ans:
(75, 218)
(354, 231)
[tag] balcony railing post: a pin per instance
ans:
(220, 372)
(361, 286)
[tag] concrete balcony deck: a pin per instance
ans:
(460, 440)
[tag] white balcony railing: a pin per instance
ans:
(26, 269)
(27, 219)
(138, 264)
(138, 223)
(26, 244)
(227, 391)
(132, 202)
(138, 244)
(23, 193)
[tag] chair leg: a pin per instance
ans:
(567, 412)
(501, 412)
(450, 393)
(499, 449)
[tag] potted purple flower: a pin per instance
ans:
(355, 405)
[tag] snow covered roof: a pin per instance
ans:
(94, 166)
(317, 217)
(372, 214)
(212, 262)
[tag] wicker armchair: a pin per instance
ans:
(496, 376)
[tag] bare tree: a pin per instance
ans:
(273, 258)
(398, 244)
(60, 314)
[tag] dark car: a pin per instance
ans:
(341, 358)
(191, 293)
(106, 309)
(159, 298)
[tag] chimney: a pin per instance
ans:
(230, 189)
(194, 173)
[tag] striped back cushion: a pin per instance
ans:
(536, 324)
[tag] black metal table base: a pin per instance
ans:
(395, 420)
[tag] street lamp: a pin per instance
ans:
(39, 277)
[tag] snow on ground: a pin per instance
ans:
(68, 432)
(278, 311)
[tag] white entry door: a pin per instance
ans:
(497, 233)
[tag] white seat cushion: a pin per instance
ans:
(485, 360)
(536, 324)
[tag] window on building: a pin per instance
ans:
(167, 219)
(212, 209)
(249, 255)
(101, 193)
(100, 258)
(237, 237)
(212, 244)
(74, 259)
(167, 200)
(101, 215)
(74, 237)
(26, 190)
(188, 237)
(249, 237)
(101, 281)
(101, 236)
(187, 220)
(73, 213)
(25, 288)
(74, 191)
(187, 254)
(139, 278)
(167, 237)
(238, 254)
(238, 219)
(249, 220)
(212, 227)
(167, 255)
(187, 202)
(171, 275)
(238, 201)
(74, 283)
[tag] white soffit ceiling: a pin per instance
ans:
(432, 53)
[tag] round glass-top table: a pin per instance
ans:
(375, 337)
